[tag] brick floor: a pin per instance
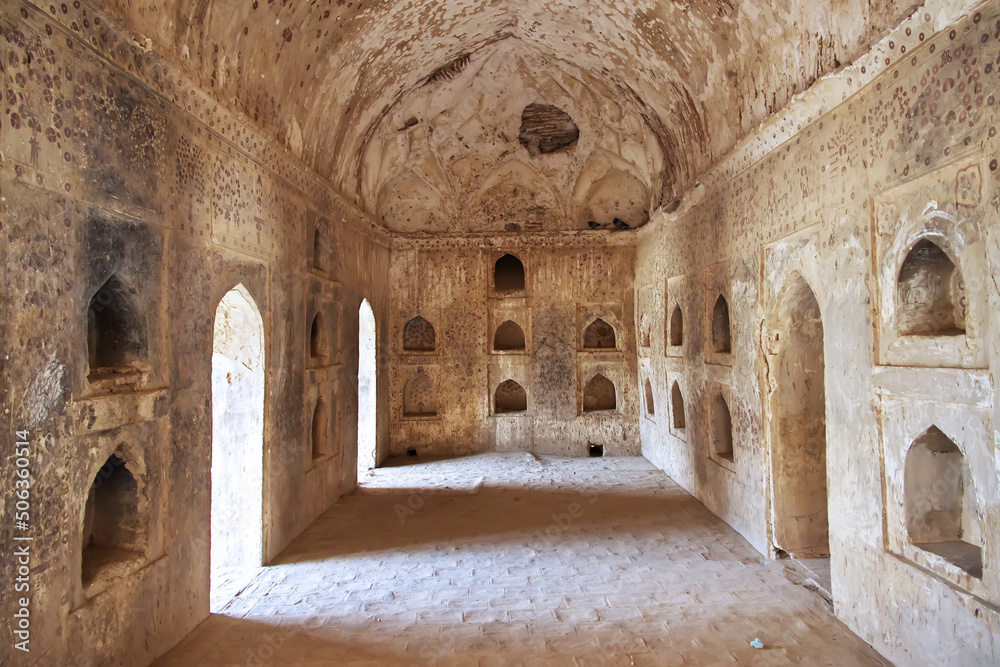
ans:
(515, 559)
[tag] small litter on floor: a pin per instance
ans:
(757, 643)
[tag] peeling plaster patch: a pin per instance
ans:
(44, 391)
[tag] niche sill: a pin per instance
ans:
(105, 566)
(116, 379)
(966, 557)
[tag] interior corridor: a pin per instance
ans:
(521, 559)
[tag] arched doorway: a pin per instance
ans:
(367, 394)
(798, 425)
(237, 435)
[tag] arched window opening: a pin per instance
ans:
(941, 502)
(721, 336)
(510, 397)
(367, 389)
(929, 293)
(419, 396)
(722, 429)
(116, 332)
(677, 404)
(318, 346)
(419, 336)
(508, 275)
(509, 337)
(650, 409)
(320, 430)
(599, 394)
(599, 336)
(115, 525)
(676, 327)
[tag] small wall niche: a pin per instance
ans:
(509, 337)
(941, 502)
(510, 397)
(722, 429)
(677, 406)
(599, 394)
(116, 332)
(648, 394)
(508, 275)
(115, 523)
(676, 327)
(644, 336)
(419, 396)
(721, 330)
(599, 335)
(320, 435)
(419, 336)
(319, 345)
(929, 291)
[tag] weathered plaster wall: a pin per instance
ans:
(839, 203)
(102, 174)
(570, 279)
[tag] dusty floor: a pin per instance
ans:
(521, 560)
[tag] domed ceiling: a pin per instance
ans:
(489, 116)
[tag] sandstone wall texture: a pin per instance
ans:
(858, 256)
(130, 200)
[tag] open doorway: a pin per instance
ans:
(797, 405)
(237, 443)
(367, 395)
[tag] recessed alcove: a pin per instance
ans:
(599, 335)
(676, 326)
(419, 396)
(644, 334)
(320, 433)
(648, 394)
(599, 395)
(940, 502)
(722, 429)
(115, 522)
(319, 347)
(510, 397)
(929, 290)
(116, 333)
(677, 406)
(419, 336)
(721, 330)
(509, 337)
(508, 275)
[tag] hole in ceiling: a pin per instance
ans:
(546, 129)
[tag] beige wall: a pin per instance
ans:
(112, 162)
(840, 203)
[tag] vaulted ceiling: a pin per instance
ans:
(414, 107)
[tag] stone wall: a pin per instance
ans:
(570, 281)
(819, 232)
(131, 206)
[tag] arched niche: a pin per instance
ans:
(510, 397)
(677, 406)
(116, 330)
(722, 429)
(508, 275)
(676, 326)
(599, 394)
(319, 345)
(509, 337)
(644, 333)
(115, 531)
(599, 335)
(940, 502)
(929, 293)
(320, 433)
(419, 396)
(419, 336)
(721, 329)
(648, 393)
